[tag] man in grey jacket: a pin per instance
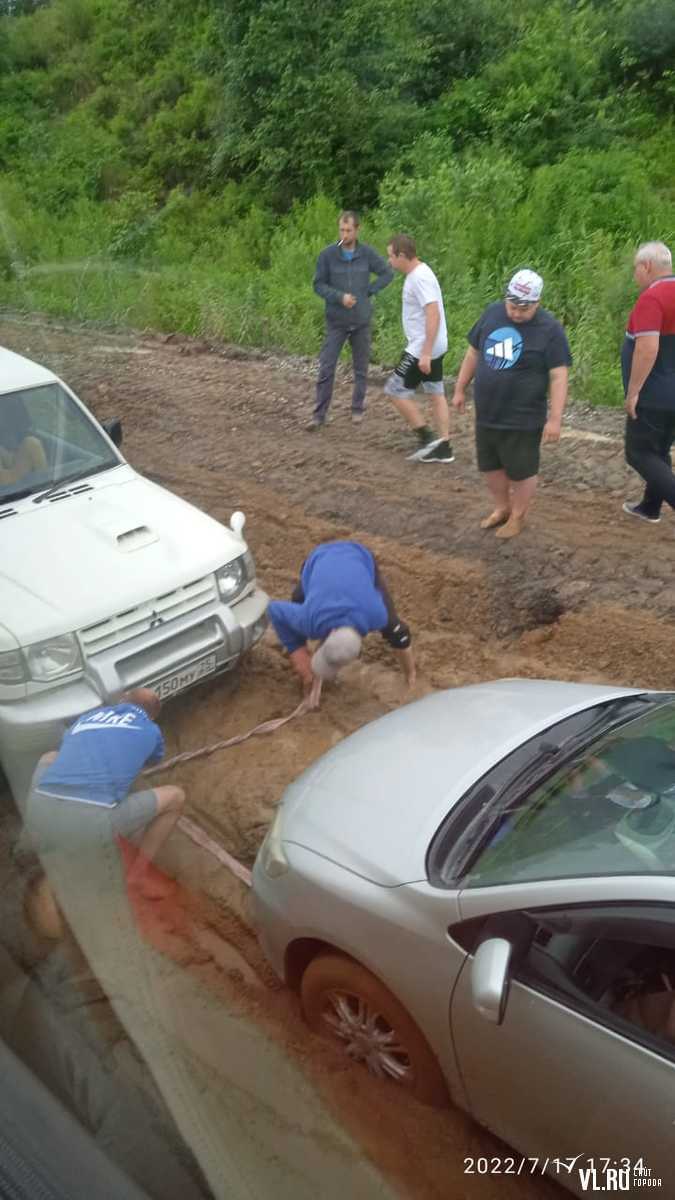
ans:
(343, 279)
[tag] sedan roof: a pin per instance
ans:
(373, 803)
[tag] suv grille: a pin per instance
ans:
(152, 613)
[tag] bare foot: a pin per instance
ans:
(513, 527)
(498, 517)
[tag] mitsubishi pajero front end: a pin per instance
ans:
(107, 581)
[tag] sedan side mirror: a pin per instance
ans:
(490, 978)
(114, 430)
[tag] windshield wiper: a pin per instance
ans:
(618, 712)
(12, 496)
(57, 484)
(497, 804)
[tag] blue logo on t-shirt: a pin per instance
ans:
(503, 348)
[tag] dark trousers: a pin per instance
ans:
(334, 340)
(647, 446)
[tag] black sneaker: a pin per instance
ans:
(439, 452)
(425, 444)
(638, 510)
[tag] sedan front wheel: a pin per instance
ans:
(343, 1001)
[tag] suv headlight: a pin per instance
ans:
(12, 669)
(272, 857)
(53, 658)
(233, 578)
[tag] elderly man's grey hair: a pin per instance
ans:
(656, 253)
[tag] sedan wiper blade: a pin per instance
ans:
(617, 713)
(497, 804)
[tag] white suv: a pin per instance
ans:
(107, 581)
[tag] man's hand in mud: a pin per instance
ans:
(301, 663)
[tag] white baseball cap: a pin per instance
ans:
(341, 646)
(525, 287)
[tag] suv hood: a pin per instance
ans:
(373, 803)
(75, 561)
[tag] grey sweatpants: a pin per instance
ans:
(79, 854)
(335, 338)
(80, 857)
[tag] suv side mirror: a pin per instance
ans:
(490, 978)
(114, 430)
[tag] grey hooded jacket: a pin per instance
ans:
(335, 275)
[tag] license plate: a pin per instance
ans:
(171, 685)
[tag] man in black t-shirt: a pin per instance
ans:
(520, 358)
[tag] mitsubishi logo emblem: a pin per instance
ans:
(155, 619)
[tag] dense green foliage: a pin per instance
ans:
(179, 166)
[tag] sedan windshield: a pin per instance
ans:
(611, 810)
(46, 439)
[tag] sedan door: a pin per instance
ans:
(577, 1069)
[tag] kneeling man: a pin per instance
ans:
(339, 599)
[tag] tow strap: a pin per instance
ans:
(190, 827)
(205, 751)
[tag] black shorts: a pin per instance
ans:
(515, 451)
(406, 377)
(395, 632)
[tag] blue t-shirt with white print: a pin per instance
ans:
(102, 753)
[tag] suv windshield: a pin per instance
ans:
(609, 811)
(46, 439)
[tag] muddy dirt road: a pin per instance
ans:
(585, 593)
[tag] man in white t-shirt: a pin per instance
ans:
(422, 360)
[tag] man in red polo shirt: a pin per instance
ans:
(648, 366)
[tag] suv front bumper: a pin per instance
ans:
(36, 723)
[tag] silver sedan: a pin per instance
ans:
(475, 896)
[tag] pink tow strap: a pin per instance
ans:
(310, 702)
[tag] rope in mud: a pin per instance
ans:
(205, 751)
(203, 839)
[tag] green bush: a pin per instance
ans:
(647, 39)
(181, 166)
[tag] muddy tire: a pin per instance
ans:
(345, 1003)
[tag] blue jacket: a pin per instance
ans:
(335, 275)
(337, 587)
